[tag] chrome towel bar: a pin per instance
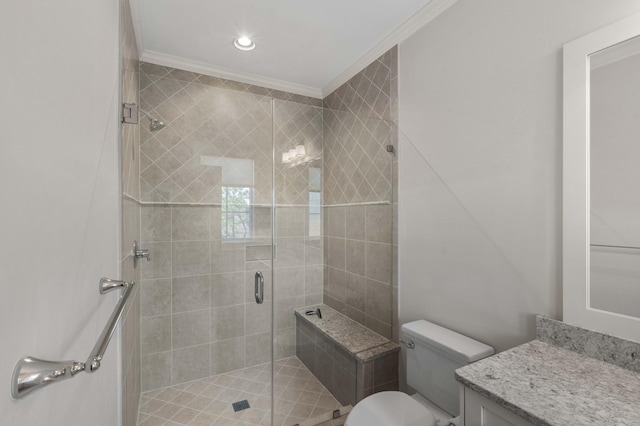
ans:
(32, 373)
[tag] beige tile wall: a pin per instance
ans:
(199, 317)
(204, 122)
(198, 313)
(358, 264)
(360, 183)
(129, 148)
(298, 270)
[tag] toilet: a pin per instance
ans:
(433, 354)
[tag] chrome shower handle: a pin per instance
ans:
(259, 287)
(139, 253)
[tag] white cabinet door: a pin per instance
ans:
(480, 411)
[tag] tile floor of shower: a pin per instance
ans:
(299, 396)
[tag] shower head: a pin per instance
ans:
(154, 124)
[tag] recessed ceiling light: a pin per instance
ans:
(244, 43)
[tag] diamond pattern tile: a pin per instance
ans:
(368, 93)
(153, 72)
(358, 125)
(296, 124)
(217, 117)
(201, 121)
(357, 166)
(298, 395)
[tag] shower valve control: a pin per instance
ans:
(140, 253)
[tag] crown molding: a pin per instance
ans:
(408, 28)
(403, 32)
(207, 69)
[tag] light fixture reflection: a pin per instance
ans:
(297, 154)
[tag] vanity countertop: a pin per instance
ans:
(551, 386)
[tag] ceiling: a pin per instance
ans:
(302, 46)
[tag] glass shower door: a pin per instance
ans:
(298, 260)
(206, 194)
(242, 257)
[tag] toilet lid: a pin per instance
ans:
(390, 409)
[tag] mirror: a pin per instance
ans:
(601, 198)
(614, 145)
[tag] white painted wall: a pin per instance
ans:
(59, 192)
(480, 226)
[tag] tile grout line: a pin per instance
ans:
(239, 375)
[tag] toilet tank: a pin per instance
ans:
(437, 354)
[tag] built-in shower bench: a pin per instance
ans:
(350, 360)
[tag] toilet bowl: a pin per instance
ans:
(390, 408)
(433, 354)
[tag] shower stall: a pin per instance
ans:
(253, 203)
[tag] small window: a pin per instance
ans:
(237, 213)
(238, 179)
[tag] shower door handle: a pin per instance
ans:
(259, 287)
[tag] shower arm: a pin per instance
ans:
(146, 114)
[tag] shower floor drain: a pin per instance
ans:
(240, 405)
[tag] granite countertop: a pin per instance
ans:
(347, 333)
(551, 386)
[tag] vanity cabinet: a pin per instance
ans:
(476, 410)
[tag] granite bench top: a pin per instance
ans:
(551, 386)
(352, 336)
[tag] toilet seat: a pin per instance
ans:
(390, 409)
